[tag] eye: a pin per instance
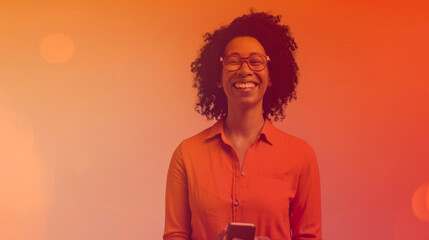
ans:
(233, 60)
(256, 61)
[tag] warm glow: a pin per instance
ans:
(95, 96)
(56, 48)
(421, 202)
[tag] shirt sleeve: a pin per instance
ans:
(177, 210)
(306, 217)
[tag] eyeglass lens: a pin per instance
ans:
(255, 62)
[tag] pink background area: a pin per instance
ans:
(85, 143)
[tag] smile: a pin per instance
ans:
(244, 85)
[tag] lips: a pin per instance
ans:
(245, 85)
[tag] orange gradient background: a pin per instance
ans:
(96, 95)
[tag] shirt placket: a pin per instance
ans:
(235, 183)
(239, 181)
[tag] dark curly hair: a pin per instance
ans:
(283, 70)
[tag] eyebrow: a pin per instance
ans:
(252, 53)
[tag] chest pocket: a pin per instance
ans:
(279, 184)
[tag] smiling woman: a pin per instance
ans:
(276, 41)
(243, 169)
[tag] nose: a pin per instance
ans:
(245, 68)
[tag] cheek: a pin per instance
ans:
(263, 78)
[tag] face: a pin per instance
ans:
(244, 87)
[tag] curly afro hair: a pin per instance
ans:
(283, 70)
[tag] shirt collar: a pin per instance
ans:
(267, 133)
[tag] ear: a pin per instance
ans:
(219, 83)
(269, 83)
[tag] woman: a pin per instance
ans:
(243, 169)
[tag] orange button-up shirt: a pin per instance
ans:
(277, 189)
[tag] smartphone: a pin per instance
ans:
(245, 231)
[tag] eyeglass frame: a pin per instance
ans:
(245, 60)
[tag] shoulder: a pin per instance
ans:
(189, 145)
(199, 141)
(283, 139)
(196, 140)
(294, 147)
(194, 149)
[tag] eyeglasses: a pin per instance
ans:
(256, 62)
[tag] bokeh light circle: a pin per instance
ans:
(420, 202)
(56, 48)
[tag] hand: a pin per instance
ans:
(221, 235)
(256, 238)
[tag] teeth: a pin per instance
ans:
(244, 85)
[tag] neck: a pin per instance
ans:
(244, 122)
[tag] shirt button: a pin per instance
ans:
(236, 203)
(243, 173)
